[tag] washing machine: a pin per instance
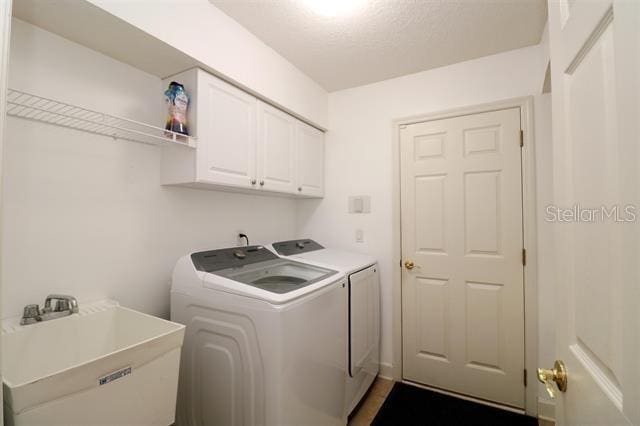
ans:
(363, 309)
(263, 342)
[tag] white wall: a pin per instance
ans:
(546, 250)
(205, 33)
(85, 214)
(546, 256)
(359, 151)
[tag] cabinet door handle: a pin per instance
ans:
(261, 183)
(299, 189)
(253, 181)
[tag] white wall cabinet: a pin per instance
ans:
(310, 160)
(276, 149)
(243, 144)
(226, 119)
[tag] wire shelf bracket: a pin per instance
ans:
(37, 108)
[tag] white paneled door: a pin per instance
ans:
(595, 56)
(462, 280)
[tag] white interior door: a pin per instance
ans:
(276, 149)
(594, 59)
(226, 133)
(462, 301)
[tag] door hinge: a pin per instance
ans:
(521, 138)
(524, 377)
(524, 257)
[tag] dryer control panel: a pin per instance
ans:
(289, 248)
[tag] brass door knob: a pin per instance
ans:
(409, 264)
(557, 375)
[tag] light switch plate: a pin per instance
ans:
(359, 236)
(359, 204)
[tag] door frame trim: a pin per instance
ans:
(529, 235)
(5, 32)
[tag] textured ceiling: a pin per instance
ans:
(388, 38)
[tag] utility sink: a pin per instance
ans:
(106, 365)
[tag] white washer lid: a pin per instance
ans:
(219, 283)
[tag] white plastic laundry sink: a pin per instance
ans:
(106, 365)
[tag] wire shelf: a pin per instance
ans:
(32, 107)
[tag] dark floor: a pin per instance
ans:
(410, 405)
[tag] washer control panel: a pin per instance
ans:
(235, 257)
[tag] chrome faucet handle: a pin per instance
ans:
(31, 314)
(63, 303)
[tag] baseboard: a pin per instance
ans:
(546, 409)
(386, 371)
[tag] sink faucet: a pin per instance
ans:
(65, 306)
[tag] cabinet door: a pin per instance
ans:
(276, 149)
(226, 134)
(310, 148)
